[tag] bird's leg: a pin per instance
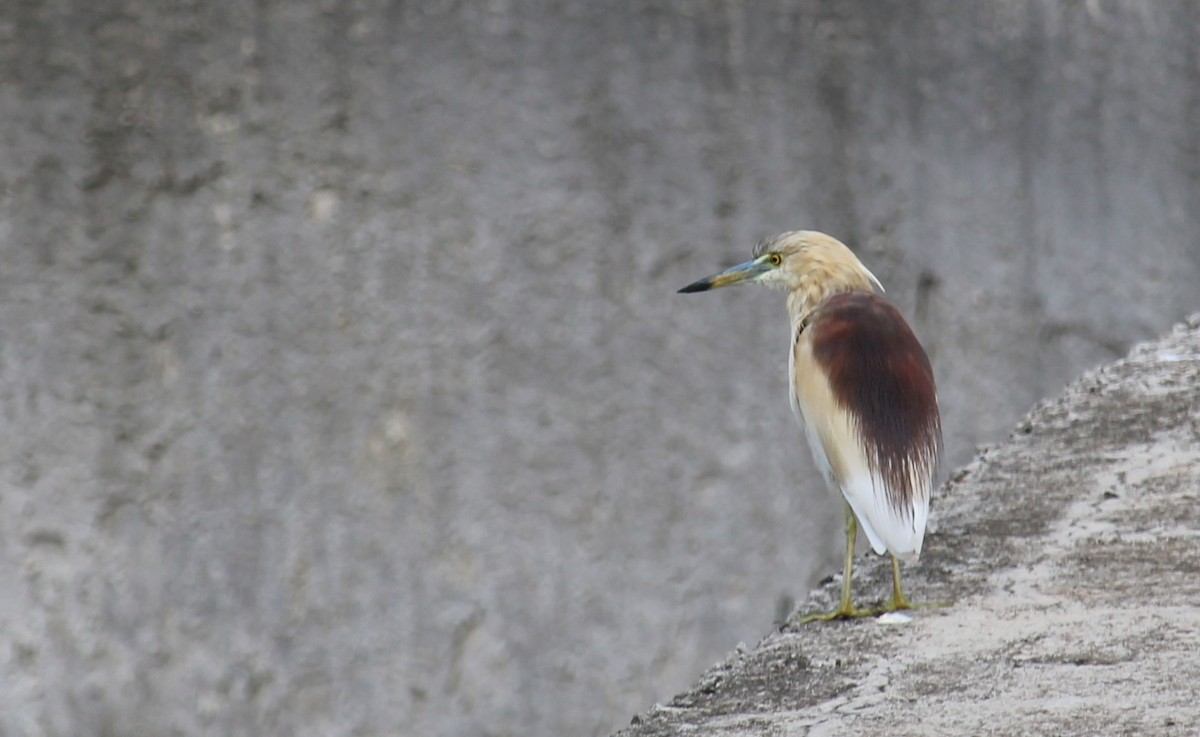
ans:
(846, 609)
(847, 606)
(899, 600)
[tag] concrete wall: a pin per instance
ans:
(345, 389)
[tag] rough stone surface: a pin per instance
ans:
(344, 385)
(1072, 555)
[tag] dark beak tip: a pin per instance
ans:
(697, 286)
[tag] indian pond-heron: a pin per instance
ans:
(862, 387)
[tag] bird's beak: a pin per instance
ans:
(740, 274)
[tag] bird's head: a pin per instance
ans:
(804, 262)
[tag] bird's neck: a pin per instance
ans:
(808, 296)
(799, 308)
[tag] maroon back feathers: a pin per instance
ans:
(879, 372)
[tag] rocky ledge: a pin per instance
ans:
(1072, 554)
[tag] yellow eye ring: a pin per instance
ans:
(774, 259)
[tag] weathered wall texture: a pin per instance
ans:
(1071, 555)
(343, 382)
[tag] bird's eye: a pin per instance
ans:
(774, 259)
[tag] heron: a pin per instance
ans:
(862, 387)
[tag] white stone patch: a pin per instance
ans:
(323, 205)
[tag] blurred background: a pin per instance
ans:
(345, 386)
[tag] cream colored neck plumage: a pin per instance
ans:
(827, 273)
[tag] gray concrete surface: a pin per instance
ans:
(1071, 553)
(345, 386)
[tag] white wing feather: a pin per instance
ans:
(838, 452)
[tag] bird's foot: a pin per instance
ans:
(901, 603)
(842, 612)
(849, 612)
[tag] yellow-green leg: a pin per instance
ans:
(899, 600)
(846, 609)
